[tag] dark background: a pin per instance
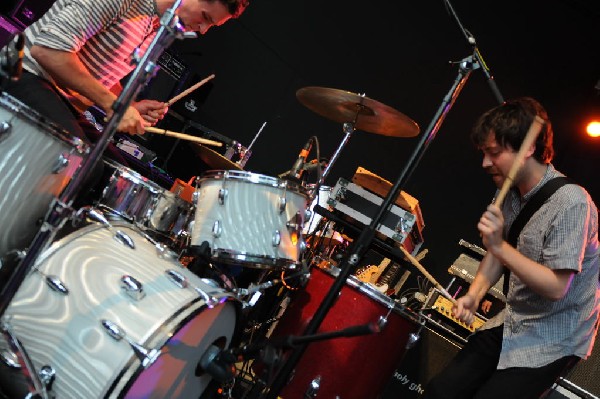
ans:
(397, 53)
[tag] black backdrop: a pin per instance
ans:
(398, 53)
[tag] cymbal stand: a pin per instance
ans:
(169, 30)
(348, 128)
(360, 246)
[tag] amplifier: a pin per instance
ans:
(438, 311)
(465, 267)
(362, 205)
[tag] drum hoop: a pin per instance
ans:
(165, 332)
(37, 119)
(250, 177)
(372, 293)
(255, 261)
(136, 177)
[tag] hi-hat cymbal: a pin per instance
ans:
(371, 116)
(213, 159)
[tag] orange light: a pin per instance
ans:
(593, 129)
(294, 238)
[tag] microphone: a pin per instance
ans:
(17, 69)
(297, 170)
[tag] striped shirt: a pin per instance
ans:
(562, 234)
(103, 33)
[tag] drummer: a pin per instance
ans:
(77, 53)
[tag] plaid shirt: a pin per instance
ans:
(562, 234)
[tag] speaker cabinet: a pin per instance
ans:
(584, 379)
(419, 364)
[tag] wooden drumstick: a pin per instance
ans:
(183, 136)
(189, 90)
(429, 277)
(530, 137)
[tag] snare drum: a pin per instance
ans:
(137, 199)
(37, 160)
(333, 365)
(113, 316)
(250, 219)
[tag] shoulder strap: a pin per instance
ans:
(534, 203)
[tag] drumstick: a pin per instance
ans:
(188, 91)
(429, 277)
(530, 136)
(182, 136)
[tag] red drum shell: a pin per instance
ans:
(356, 367)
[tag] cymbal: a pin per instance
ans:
(343, 106)
(213, 159)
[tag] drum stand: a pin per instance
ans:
(169, 30)
(360, 246)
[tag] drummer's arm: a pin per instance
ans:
(68, 72)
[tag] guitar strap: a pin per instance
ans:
(534, 203)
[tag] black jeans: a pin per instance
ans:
(472, 373)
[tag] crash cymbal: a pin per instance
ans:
(371, 116)
(213, 159)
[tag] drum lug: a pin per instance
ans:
(223, 192)
(276, 238)
(216, 229)
(61, 163)
(313, 389)
(178, 278)
(5, 127)
(10, 359)
(308, 214)
(124, 239)
(147, 357)
(282, 204)
(47, 376)
(132, 288)
(57, 285)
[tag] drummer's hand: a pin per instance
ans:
(491, 225)
(151, 110)
(465, 308)
(132, 122)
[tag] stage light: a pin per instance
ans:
(593, 128)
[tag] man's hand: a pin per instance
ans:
(132, 122)
(151, 111)
(490, 226)
(465, 308)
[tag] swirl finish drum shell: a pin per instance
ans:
(250, 219)
(67, 332)
(37, 161)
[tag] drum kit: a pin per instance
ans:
(98, 300)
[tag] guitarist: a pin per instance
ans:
(551, 263)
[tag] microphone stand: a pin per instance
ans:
(349, 263)
(477, 54)
(168, 31)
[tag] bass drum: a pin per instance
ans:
(354, 367)
(114, 316)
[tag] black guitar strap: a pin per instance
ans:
(534, 203)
